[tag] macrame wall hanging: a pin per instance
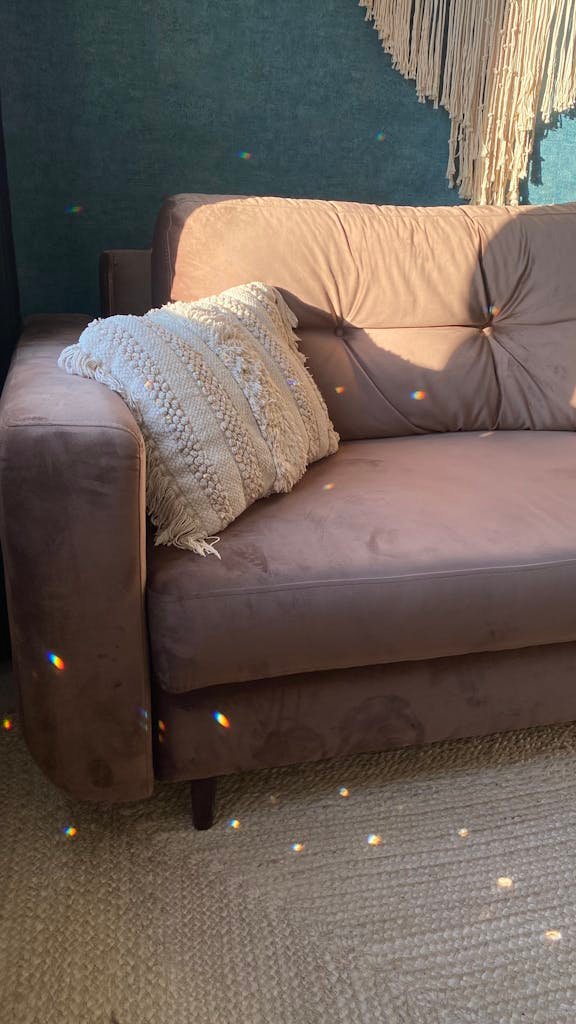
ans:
(497, 66)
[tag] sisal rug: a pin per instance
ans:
(463, 913)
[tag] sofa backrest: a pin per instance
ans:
(414, 320)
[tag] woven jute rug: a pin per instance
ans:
(463, 913)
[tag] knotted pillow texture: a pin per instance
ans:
(228, 411)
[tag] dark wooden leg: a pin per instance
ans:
(203, 795)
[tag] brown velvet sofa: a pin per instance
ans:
(419, 585)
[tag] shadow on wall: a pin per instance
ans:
(506, 361)
(554, 177)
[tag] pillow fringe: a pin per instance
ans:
(163, 506)
(289, 322)
(162, 502)
(76, 361)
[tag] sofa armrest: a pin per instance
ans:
(73, 532)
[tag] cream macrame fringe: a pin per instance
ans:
(507, 62)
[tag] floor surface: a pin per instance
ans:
(460, 908)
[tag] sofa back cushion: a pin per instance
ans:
(414, 320)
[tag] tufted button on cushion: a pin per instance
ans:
(412, 292)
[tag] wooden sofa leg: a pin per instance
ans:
(203, 797)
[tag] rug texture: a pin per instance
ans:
(463, 913)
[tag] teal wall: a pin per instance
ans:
(111, 106)
(553, 169)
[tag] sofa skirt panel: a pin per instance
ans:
(292, 719)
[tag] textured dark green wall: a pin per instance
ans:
(111, 106)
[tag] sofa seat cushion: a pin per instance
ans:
(391, 550)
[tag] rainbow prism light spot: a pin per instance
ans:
(243, 154)
(56, 660)
(221, 719)
(418, 396)
(7, 724)
(74, 209)
(70, 831)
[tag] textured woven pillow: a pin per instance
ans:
(227, 408)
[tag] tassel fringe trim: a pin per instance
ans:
(506, 64)
(161, 499)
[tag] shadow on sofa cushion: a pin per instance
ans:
(390, 551)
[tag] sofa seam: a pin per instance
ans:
(145, 690)
(357, 361)
(116, 428)
(185, 199)
(342, 583)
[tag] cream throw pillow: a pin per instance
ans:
(227, 408)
